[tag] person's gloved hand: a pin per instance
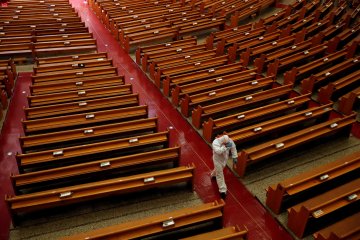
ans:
(228, 145)
(235, 160)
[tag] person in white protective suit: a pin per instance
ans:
(222, 146)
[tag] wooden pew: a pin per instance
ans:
(79, 193)
(72, 65)
(165, 62)
(89, 134)
(68, 46)
(265, 150)
(347, 228)
(20, 49)
(224, 93)
(157, 224)
(79, 74)
(62, 109)
(83, 120)
(302, 71)
(212, 127)
(177, 70)
(150, 56)
(227, 233)
(170, 83)
(84, 84)
(179, 91)
(348, 101)
(332, 90)
(322, 206)
(343, 38)
(41, 26)
(95, 168)
(325, 76)
(71, 58)
(141, 51)
(41, 21)
(292, 190)
(83, 95)
(281, 63)
(68, 155)
(201, 114)
(196, 26)
(278, 124)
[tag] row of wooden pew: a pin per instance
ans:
(76, 128)
(42, 28)
(8, 76)
(322, 201)
(170, 223)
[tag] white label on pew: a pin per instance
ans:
(15, 17)
(156, 32)
(167, 44)
(252, 6)
(214, 19)
(75, 57)
(327, 74)
(66, 43)
(248, 98)
(184, 19)
(352, 197)
(33, 26)
(275, 14)
(58, 153)
(333, 125)
(183, 13)
(81, 92)
(308, 114)
(168, 223)
(194, 23)
(130, 11)
(197, 64)
(337, 26)
(64, 24)
(352, 30)
(59, 19)
(52, 10)
(100, 59)
(279, 145)
(147, 26)
(261, 38)
(211, 70)
(326, 59)
(319, 24)
(246, 0)
(88, 116)
(104, 164)
(52, 5)
(212, 93)
(65, 36)
(88, 131)
(232, 6)
(306, 52)
(246, 33)
(156, 3)
(117, 4)
(6, 22)
(20, 7)
(17, 11)
(2, 33)
(186, 57)
(79, 73)
(274, 43)
(291, 102)
(170, 10)
(293, 47)
(42, 1)
(123, 8)
(240, 116)
(235, 29)
(62, 30)
(355, 60)
(149, 179)
(324, 177)
(75, 65)
(254, 82)
(81, 104)
(223, 3)
(289, 18)
(133, 140)
(257, 129)
(56, 14)
(79, 83)
(1, 28)
(304, 20)
(135, 16)
(65, 194)
(167, 5)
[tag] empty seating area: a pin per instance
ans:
(282, 83)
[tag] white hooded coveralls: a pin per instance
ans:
(220, 157)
